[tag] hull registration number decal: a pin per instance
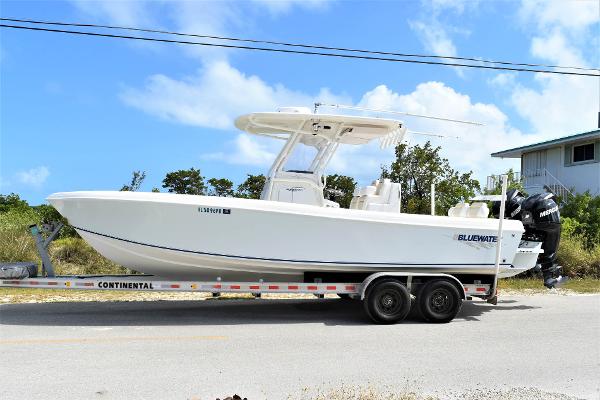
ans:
(212, 210)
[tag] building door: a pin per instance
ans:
(534, 163)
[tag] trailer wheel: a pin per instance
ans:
(387, 302)
(439, 301)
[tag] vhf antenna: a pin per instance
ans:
(345, 107)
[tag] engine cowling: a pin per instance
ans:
(540, 215)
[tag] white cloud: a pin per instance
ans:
(247, 150)
(556, 47)
(34, 177)
(215, 96)
(434, 37)
(472, 151)
(574, 15)
(503, 80)
(563, 34)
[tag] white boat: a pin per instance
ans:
(293, 233)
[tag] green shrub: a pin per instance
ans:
(576, 259)
(581, 214)
(73, 256)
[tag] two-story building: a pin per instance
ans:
(567, 164)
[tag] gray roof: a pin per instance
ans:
(518, 151)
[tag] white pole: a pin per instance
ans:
(433, 199)
(499, 241)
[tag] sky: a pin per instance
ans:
(82, 113)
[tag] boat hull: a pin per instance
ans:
(205, 238)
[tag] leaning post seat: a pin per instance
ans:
(381, 196)
(464, 210)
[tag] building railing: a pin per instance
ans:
(534, 180)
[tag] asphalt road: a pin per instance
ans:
(275, 348)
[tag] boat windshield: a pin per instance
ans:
(301, 159)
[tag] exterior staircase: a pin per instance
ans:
(542, 179)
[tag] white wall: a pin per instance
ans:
(581, 177)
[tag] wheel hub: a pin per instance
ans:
(440, 301)
(389, 303)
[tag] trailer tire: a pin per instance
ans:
(387, 302)
(439, 301)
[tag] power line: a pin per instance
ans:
(350, 56)
(288, 44)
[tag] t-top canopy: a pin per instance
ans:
(318, 127)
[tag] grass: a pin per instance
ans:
(576, 259)
(575, 285)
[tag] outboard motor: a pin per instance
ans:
(541, 219)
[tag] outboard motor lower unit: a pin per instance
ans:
(541, 218)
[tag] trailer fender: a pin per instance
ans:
(409, 276)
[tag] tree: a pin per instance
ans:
(137, 178)
(185, 181)
(252, 187)
(10, 201)
(416, 168)
(220, 187)
(340, 188)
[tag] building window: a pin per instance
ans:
(584, 152)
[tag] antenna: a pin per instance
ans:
(345, 107)
(434, 135)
